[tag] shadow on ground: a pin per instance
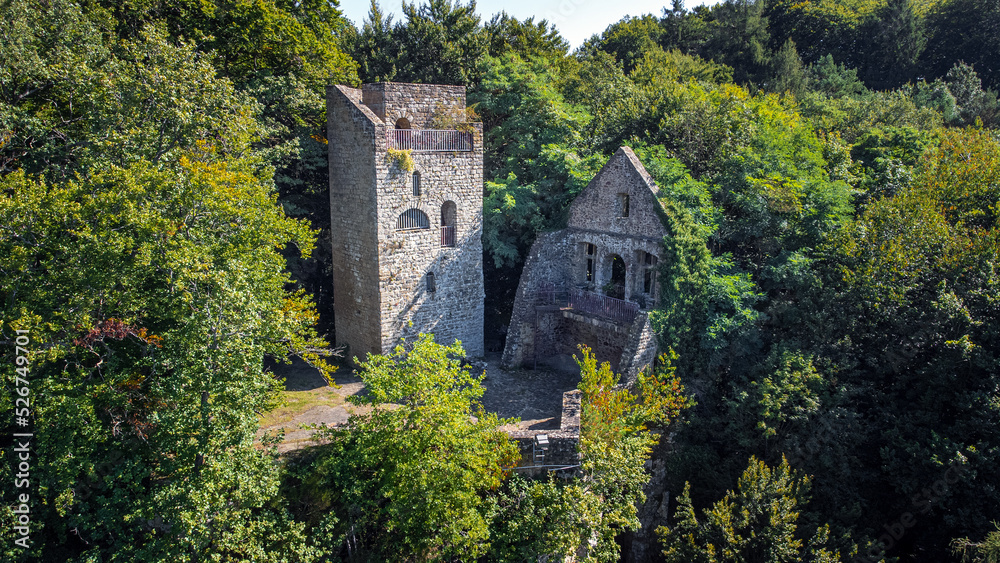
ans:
(532, 395)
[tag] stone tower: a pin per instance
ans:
(407, 238)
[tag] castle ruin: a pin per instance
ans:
(594, 282)
(406, 201)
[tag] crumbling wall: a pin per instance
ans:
(564, 444)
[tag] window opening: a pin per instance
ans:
(449, 215)
(621, 205)
(616, 287)
(412, 219)
(402, 123)
(591, 250)
(649, 273)
(416, 184)
(431, 284)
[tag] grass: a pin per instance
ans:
(298, 402)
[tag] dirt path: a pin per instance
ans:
(534, 396)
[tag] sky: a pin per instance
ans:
(576, 20)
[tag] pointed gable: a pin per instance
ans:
(621, 199)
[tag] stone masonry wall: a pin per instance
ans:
(418, 103)
(455, 310)
(564, 444)
(640, 349)
(548, 261)
(352, 130)
(381, 292)
(559, 260)
(595, 208)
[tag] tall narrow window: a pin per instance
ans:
(591, 251)
(621, 205)
(416, 184)
(449, 216)
(649, 273)
(431, 284)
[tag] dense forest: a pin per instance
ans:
(829, 388)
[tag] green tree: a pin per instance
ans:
(374, 47)
(153, 293)
(440, 43)
(834, 80)
(987, 551)
(898, 40)
(412, 477)
(630, 39)
(525, 38)
(615, 441)
(787, 70)
(964, 30)
(756, 522)
(739, 39)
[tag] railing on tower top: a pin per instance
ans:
(603, 306)
(429, 140)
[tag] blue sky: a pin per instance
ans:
(576, 20)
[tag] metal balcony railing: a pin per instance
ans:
(429, 140)
(617, 310)
(447, 236)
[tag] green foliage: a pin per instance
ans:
(834, 80)
(510, 220)
(897, 35)
(147, 99)
(439, 43)
(987, 551)
(616, 443)
(526, 39)
(789, 392)
(683, 281)
(788, 71)
(408, 479)
(542, 518)
(658, 66)
(963, 31)
(401, 159)
(153, 294)
(611, 413)
(755, 522)
(630, 40)
(924, 261)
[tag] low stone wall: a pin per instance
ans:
(564, 444)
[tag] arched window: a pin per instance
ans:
(412, 219)
(402, 123)
(416, 184)
(449, 215)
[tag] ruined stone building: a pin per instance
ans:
(594, 282)
(407, 237)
